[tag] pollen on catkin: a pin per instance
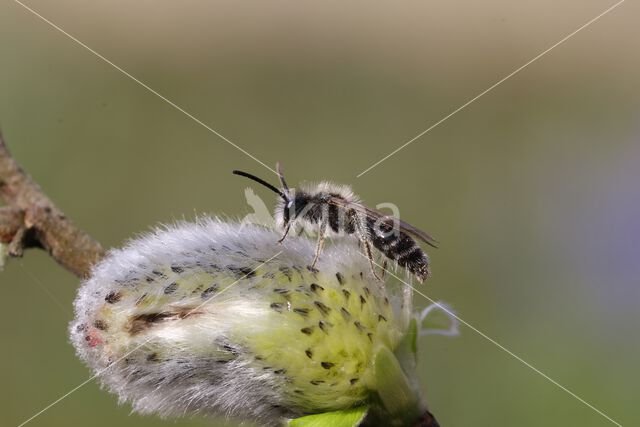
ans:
(217, 318)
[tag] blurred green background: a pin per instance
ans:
(532, 190)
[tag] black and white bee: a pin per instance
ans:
(330, 209)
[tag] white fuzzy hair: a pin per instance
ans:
(323, 187)
(341, 190)
(125, 327)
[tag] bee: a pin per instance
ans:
(329, 209)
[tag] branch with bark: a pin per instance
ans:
(31, 220)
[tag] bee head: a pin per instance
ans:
(287, 201)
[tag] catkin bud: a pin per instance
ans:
(215, 318)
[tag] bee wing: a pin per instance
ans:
(375, 214)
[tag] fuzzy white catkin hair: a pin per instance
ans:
(196, 318)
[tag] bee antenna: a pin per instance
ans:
(263, 182)
(281, 176)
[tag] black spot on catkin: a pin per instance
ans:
(247, 272)
(171, 288)
(340, 278)
(100, 324)
(381, 317)
(177, 269)
(280, 371)
(346, 293)
(301, 311)
(326, 365)
(209, 291)
(152, 357)
(324, 326)
(307, 331)
(113, 297)
(277, 306)
(315, 287)
(359, 326)
(287, 272)
(345, 313)
(309, 353)
(352, 381)
(231, 349)
(363, 301)
(242, 272)
(322, 307)
(316, 382)
(144, 321)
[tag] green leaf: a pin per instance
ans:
(406, 351)
(393, 386)
(346, 418)
(412, 337)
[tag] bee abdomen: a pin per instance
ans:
(405, 251)
(334, 214)
(416, 257)
(416, 262)
(341, 220)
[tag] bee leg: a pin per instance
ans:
(369, 254)
(319, 245)
(384, 269)
(363, 239)
(318, 250)
(286, 231)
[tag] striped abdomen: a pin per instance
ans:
(400, 247)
